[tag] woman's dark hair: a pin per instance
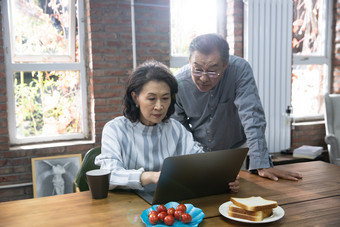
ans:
(208, 43)
(148, 71)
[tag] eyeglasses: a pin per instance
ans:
(197, 73)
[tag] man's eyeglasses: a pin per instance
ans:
(197, 73)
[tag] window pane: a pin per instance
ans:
(190, 18)
(307, 90)
(308, 27)
(41, 27)
(47, 103)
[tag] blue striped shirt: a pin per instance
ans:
(128, 149)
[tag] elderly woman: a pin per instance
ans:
(135, 145)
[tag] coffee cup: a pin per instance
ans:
(98, 181)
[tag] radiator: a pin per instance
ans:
(268, 49)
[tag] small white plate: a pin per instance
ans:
(278, 213)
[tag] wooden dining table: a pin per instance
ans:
(312, 201)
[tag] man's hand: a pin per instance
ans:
(234, 186)
(149, 177)
(275, 174)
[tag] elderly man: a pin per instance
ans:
(219, 103)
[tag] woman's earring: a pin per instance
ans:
(137, 106)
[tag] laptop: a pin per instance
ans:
(195, 175)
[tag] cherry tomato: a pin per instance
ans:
(162, 215)
(169, 220)
(178, 214)
(186, 218)
(161, 208)
(171, 211)
(182, 207)
(153, 212)
(153, 218)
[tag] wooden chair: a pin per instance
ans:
(80, 183)
(332, 117)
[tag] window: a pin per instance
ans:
(311, 56)
(190, 18)
(45, 70)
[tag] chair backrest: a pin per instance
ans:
(332, 119)
(80, 183)
(332, 103)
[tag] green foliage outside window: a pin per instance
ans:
(47, 103)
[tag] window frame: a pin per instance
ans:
(54, 64)
(324, 59)
(179, 61)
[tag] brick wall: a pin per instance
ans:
(109, 59)
(235, 27)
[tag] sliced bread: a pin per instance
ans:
(237, 212)
(254, 203)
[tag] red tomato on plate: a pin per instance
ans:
(171, 211)
(162, 215)
(161, 208)
(178, 214)
(182, 207)
(153, 212)
(153, 218)
(169, 220)
(186, 218)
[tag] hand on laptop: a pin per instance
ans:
(275, 174)
(149, 177)
(234, 186)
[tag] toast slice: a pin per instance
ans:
(237, 212)
(254, 203)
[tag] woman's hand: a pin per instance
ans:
(149, 177)
(234, 186)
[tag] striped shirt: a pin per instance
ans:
(128, 149)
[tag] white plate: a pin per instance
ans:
(278, 213)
